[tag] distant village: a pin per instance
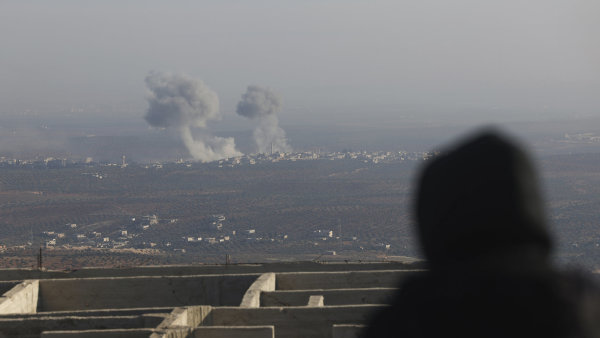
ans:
(250, 159)
(131, 235)
(137, 232)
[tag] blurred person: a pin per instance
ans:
(482, 229)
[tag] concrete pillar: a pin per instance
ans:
(315, 300)
(190, 316)
(22, 298)
(266, 282)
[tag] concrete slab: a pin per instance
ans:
(5, 286)
(293, 321)
(92, 313)
(172, 333)
(331, 297)
(264, 331)
(342, 280)
(315, 300)
(22, 298)
(113, 333)
(266, 282)
(347, 330)
(33, 327)
(23, 274)
(188, 270)
(190, 304)
(189, 316)
(127, 292)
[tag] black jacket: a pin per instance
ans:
(482, 229)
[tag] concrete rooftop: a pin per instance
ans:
(301, 299)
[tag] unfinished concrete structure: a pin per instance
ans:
(304, 299)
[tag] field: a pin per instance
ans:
(200, 213)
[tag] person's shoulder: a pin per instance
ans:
(580, 292)
(578, 285)
(407, 310)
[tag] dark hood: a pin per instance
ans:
(479, 199)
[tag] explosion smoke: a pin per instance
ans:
(263, 104)
(180, 102)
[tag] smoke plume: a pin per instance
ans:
(263, 104)
(182, 103)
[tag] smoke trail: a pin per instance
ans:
(263, 104)
(179, 102)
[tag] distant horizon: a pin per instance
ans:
(109, 139)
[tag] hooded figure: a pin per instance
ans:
(482, 229)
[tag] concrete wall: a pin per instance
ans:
(293, 321)
(234, 332)
(331, 297)
(188, 270)
(341, 280)
(189, 316)
(5, 286)
(22, 298)
(184, 321)
(118, 293)
(266, 282)
(347, 331)
(114, 333)
(16, 327)
(22, 274)
(315, 300)
(208, 305)
(172, 333)
(93, 313)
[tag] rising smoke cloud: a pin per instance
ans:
(184, 104)
(263, 104)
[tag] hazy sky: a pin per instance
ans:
(327, 59)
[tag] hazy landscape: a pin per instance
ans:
(328, 202)
(185, 132)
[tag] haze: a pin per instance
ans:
(343, 63)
